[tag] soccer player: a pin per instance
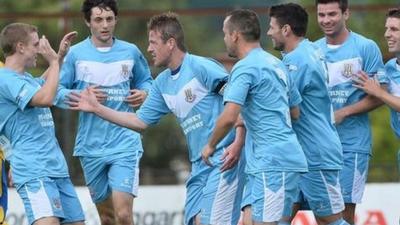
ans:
(392, 71)
(109, 154)
(346, 54)
(39, 170)
(315, 128)
(258, 89)
(191, 89)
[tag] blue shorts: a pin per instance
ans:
(273, 194)
(215, 195)
(118, 172)
(246, 198)
(321, 191)
(354, 176)
(51, 197)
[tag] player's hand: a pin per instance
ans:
(101, 96)
(65, 44)
(340, 115)
(85, 101)
(136, 97)
(207, 153)
(369, 86)
(47, 51)
(231, 156)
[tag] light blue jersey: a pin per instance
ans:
(116, 71)
(259, 83)
(192, 96)
(35, 150)
(392, 70)
(315, 128)
(344, 61)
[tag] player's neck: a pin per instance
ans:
(14, 63)
(246, 47)
(339, 38)
(292, 44)
(176, 59)
(102, 44)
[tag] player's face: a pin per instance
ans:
(30, 50)
(159, 49)
(229, 40)
(331, 19)
(102, 24)
(275, 32)
(392, 34)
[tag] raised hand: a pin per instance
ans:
(66, 43)
(47, 51)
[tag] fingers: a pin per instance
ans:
(136, 97)
(70, 36)
(66, 43)
(46, 50)
(206, 160)
(229, 161)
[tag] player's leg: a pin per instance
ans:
(194, 188)
(353, 177)
(123, 178)
(95, 171)
(274, 194)
(47, 221)
(73, 213)
(42, 201)
(222, 194)
(105, 209)
(247, 201)
(322, 191)
(123, 207)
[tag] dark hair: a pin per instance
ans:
(169, 27)
(343, 4)
(245, 22)
(393, 12)
(293, 15)
(102, 4)
(14, 33)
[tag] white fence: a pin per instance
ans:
(163, 205)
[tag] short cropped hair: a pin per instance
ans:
(14, 33)
(168, 25)
(343, 4)
(102, 4)
(393, 12)
(245, 22)
(293, 15)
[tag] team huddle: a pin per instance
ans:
(265, 140)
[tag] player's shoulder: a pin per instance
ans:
(125, 44)
(197, 62)
(362, 41)
(391, 64)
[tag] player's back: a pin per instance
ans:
(266, 111)
(315, 127)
